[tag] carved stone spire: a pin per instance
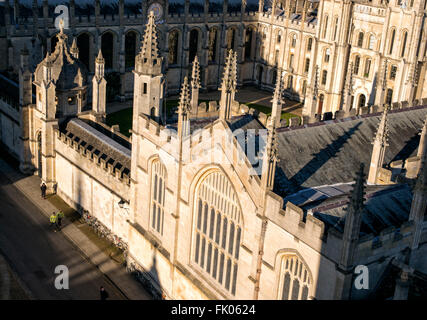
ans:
(195, 85)
(353, 220)
(148, 60)
(278, 101)
(380, 143)
(99, 89)
(348, 89)
(228, 87)
(74, 49)
(270, 156)
(419, 204)
(184, 108)
(195, 74)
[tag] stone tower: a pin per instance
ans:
(149, 80)
(61, 92)
(353, 221)
(228, 87)
(380, 143)
(99, 89)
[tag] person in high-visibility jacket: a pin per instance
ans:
(59, 217)
(53, 220)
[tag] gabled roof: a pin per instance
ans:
(331, 152)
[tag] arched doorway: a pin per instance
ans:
(362, 101)
(130, 49)
(83, 43)
(107, 47)
(194, 42)
(39, 154)
(320, 104)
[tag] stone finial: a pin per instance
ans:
(150, 49)
(195, 75)
(229, 79)
(357, 195)
(100, 58)
(316, 83)
(278, 101)
(184, 99)
(382, 132)
(74, 49)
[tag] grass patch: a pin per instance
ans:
(124, 117)
(267, 111)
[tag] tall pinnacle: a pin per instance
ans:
(277, 101)
(382, 132)
(149, 43)
(74, 49)
(357, 195)
(100, 57)
(184, 110)
(195, 75)
(184, 98)
(229, 79)
(270, 157)
(228, 87)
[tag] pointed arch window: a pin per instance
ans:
(404, 41)
(356, 65)
(295, 279)
(213, 36)
(325, 26)
(158, 177)
(335, 28)
(307, 65)
(327, 55)
(368, 62)
(389, 96)
(360, 40)
(393, 72)
(309, 44)
(217, 230)
(173, 47)
(371, 44)
(324, 77)
(293, 40)
(392, 36)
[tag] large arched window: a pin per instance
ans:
(173, 47)
(83, 43)
(217, 230)
(130, 49)
(295, 279)
(248, 43)
(231, 39)
(194, 44)
(213, 34)
(107, 47)
(158, 176)
(362, 101)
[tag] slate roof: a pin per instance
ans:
(386, 206)
(331, 152)
(105, 146)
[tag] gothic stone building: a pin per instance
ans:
(336, 55)
(229, 205)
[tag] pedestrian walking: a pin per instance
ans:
(53, 221)
(43, 190)
(104, 294)
(59, 217)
